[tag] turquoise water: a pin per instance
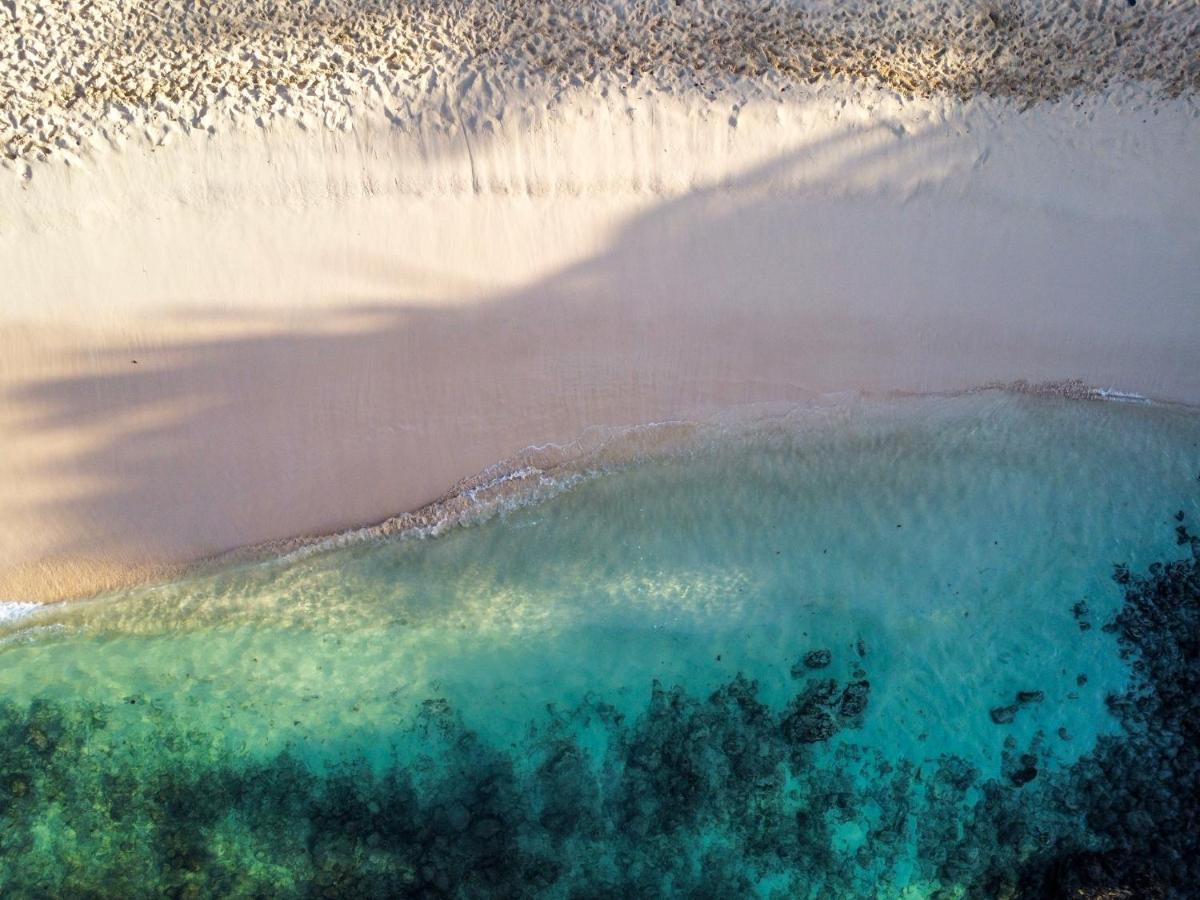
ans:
(606, 693)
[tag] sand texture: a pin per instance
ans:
(275, 270)
(76, 74)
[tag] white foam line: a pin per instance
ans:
(473, 499)
(1119, 396)
(14, 610)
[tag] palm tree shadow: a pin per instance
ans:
(704, 301)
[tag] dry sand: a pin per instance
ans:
(345, 257)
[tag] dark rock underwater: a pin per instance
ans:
(699, 796)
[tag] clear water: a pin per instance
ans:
(936, 548)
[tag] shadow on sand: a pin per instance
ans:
(763, 288)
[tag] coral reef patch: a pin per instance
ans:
(699, 796)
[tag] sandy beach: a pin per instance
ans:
(326, 263)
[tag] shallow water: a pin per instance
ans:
(606, 691)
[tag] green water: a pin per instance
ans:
(604, 693)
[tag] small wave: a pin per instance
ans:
(541, 472)
(1069, 389)
(1116, 396)
(13, 610)
(536, 474)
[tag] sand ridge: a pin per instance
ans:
(78, 75)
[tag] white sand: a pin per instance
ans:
(504, 242)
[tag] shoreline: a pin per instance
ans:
(311, 356)
(538, 473)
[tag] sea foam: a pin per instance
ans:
(12, 610)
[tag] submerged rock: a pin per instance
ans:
(809, 716)
(818, 659)
(821, 710)
(1004, 715)
(854, 699)
(808, 726)
(1024, 775)
(1080, 612)
(814, 659)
